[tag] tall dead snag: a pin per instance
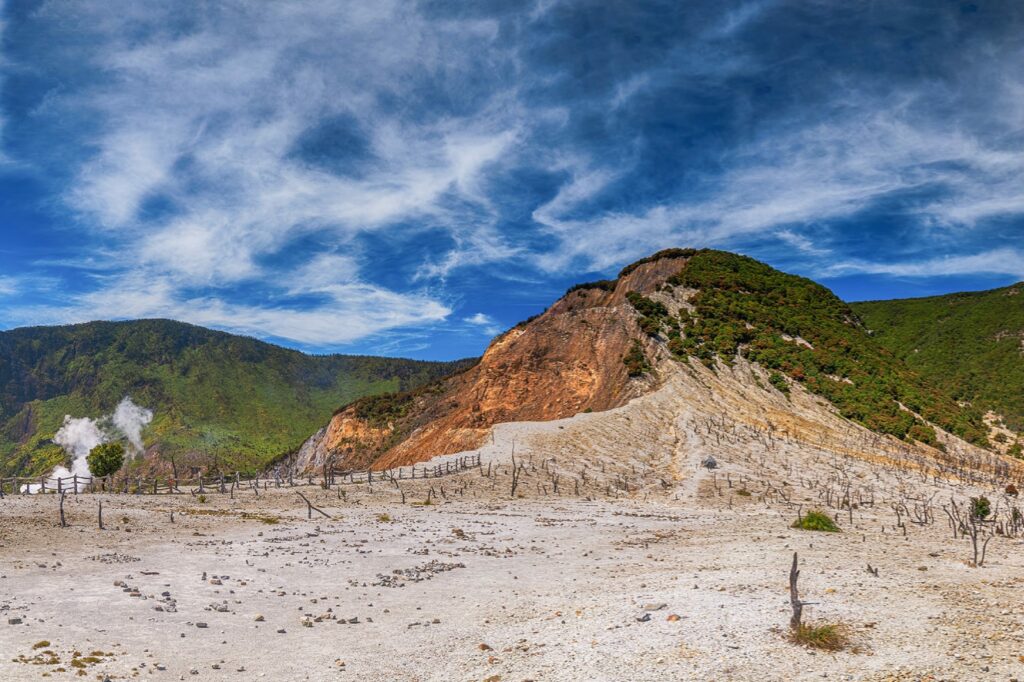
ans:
(63, 523)
(100, 515)
(516, 471)
(794, 596)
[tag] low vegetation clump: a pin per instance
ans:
(779, 382)
(268, 519)
(383, 518)
(980, 508)
(816, 520)
(601, 285)
(825, 636)
(636, 361)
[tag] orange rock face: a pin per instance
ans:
(565, 361)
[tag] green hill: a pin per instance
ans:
(969, 344)
(798, 329)
(228, 399)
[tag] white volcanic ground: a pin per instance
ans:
(642, 566)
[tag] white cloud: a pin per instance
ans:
(813, 174)
(208, 124)
(1004, 261)
(8, 286)
(346, 311)
(485, 322)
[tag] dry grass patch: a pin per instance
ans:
(825, 636)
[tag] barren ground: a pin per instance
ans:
(674, 574)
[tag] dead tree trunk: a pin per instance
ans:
(794, 596)
(310, 508)
(63, 522)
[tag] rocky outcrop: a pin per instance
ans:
(565, 361)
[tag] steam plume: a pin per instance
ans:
(79, 435)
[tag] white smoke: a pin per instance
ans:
(130, 419)
(79, 435)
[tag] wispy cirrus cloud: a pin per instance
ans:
(1002, 261)
(332, 171)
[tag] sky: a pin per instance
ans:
(410, 178)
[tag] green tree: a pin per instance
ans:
(105, 458)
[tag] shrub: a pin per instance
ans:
(779, 382)
(105, 459)
(816, 520)
(980, 507)
(821, 636)
(635, 360)
(384, 518)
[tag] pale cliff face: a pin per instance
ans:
(563, 362)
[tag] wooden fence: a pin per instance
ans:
(221, 483)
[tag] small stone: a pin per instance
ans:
(201, 625)
(260, 618)
(672, 618)
(14, 621)
(657, 606)
(484, 647)
(644, 618)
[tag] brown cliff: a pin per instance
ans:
(565, 361)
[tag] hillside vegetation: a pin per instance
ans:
(234, 401)
(795, 327)
(970, 344)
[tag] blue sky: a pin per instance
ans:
(409, 178)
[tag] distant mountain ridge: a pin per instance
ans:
(226, 400)
(607, 342)
(970, 344)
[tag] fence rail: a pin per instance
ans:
(223, 483)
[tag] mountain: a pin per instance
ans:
(605, 343)
(216, 397)
(969, 344)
